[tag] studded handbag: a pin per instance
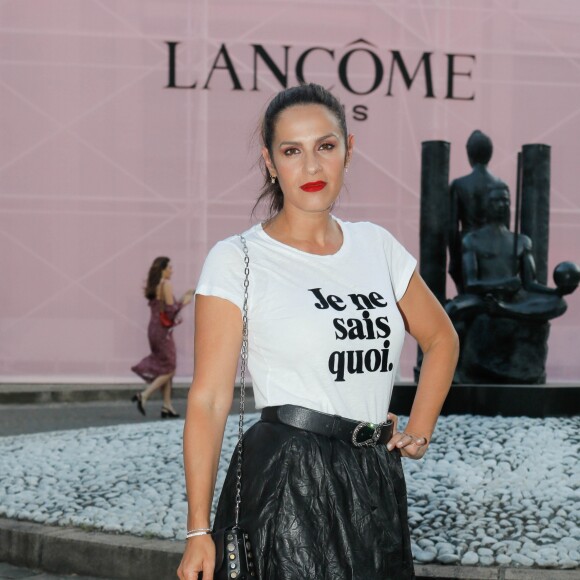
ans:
(234, 557)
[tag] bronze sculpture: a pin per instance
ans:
(467, 195)
(503, 306)
(502, 298)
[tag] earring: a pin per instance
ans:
(346, 168)
(272, 178)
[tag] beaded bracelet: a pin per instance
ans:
(197, 532)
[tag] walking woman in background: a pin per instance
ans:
(158, 368)
(323, 493)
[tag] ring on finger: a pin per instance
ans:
(418, 441)
(400, 442)
(421, 441)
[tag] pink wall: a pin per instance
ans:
(102, 168)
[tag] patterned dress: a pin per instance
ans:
(162, 359)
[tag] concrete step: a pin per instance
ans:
(32, 393)
(121, 557)
(552, 400)
(10, 572)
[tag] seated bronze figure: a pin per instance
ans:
(502, 315)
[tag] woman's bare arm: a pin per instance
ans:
(167, 292)
(427, 322)
(218, 339)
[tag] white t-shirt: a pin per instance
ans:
(324, 331)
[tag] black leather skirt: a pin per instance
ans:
(319, 508)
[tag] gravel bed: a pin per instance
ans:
(498, 491)
(491, 490)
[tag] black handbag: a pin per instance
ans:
(234, 559)
(233, 555)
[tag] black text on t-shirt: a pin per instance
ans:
(341, 363)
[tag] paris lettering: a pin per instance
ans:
(357, 361)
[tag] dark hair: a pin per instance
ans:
(306, 94)
(154, 276)
(479, 148)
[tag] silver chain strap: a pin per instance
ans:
(243, 365)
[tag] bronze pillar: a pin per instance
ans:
(535, 218)
(435, 215)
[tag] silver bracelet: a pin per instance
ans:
(197, 532)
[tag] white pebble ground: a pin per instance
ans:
(490, 491)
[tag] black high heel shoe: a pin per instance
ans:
(168, 413)
(138, 398)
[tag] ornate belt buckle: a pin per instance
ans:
(366, 434)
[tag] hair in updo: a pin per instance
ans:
(306, 94)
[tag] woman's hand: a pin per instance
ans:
(187, 297)
(199, 556)
(410, 444)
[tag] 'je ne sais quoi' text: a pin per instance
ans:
(357, 361)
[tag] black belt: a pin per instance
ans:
(359, 434)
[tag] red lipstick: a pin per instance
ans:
(313, 186)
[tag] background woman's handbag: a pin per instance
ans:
(165, 320)
(233, 556)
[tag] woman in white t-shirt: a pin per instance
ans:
(323, 493)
